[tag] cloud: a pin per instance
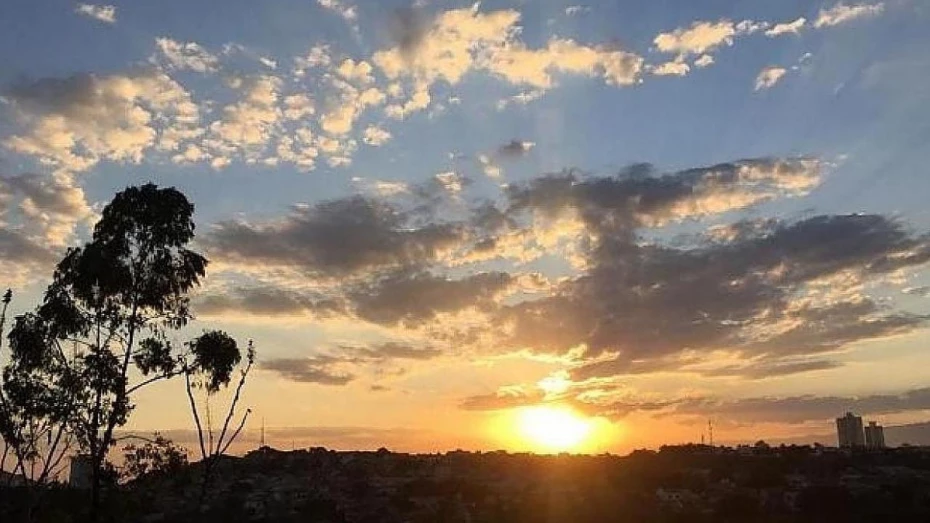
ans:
(574, 10)
(38, 217)
(375, 136)
(614, 401)
(488, 167)
(102, 13)
(341, 117)
(703, 37)
(521, 98)
(673, 68)
(266, 301)
(769, 76)
(349, 13)
(515, 148)
(73, 123)
(800, 409)
(842, 13)
(412, 300)
(306, 370)
(703, 61)
(787, 28)
(536, 67)
(317, 56)
(505, 398)
(459, 41)
(918, 291)
(329, 368)
(186, 55)
(775, 296)
(247, 125)
(451, 181)
(335, 238)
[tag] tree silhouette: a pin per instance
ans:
(105, 320)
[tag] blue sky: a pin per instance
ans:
(264, 112)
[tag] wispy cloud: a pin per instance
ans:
(102, 13)
(769, 76)
(842, 13)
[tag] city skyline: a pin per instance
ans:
(538, 226)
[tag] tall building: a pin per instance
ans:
(874, 436)
(849, 431)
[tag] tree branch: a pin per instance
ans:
(190, 396)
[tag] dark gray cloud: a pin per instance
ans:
(918, 291)
(407, 27)
(515, 149)
(649, 302)
(335, 239)
(18, 248)
(267, 301)
(799, 409)
(55, 95)
(412, 299)
(641, 304)
(502, 400)
(329, 368)
(45, 193)
(34, 210)
(768, 369)
(316, 369)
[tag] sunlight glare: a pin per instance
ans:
(553, 429)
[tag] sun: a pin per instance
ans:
(552, 429)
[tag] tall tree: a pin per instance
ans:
(101, 333)
(204, 350)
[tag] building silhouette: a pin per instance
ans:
(849, 431)
(82, 471)
(874, 436)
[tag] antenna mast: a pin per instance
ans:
(263, 431)
(710, 431)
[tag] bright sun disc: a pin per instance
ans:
(552, 429)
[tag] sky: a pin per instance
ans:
(460, 225)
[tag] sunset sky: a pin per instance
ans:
(453, 225)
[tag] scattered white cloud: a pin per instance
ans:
(841, 13)
(488, 167)
(297, 106)
(268, 62)
(186, 55)
(463, 40)
(419, 100)
(353, 71)
(702, 37)
(246, 125)
(703, 61)
(451, 181)
(769, 76)
(522, 98)
(75, 122)
(673, 68)
(787, 27)
(381, 188)
(375, 136)
(345, 110)
(103, 13)
(574, 10)
(317, 56)
(349, 13)
(536, 67)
